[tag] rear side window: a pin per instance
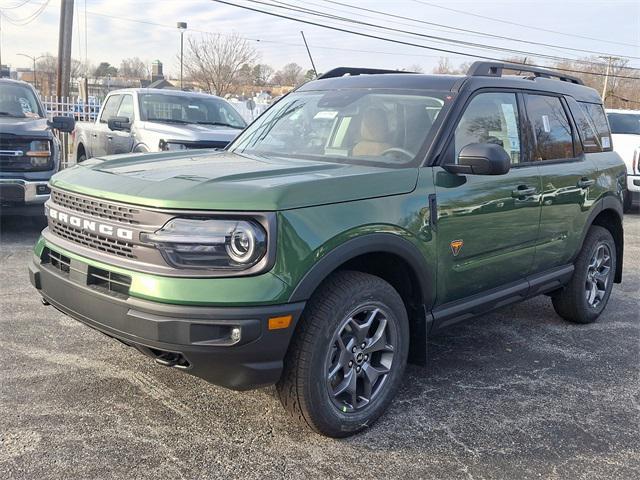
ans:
(595, 113)
(590, 139)
(551, 128)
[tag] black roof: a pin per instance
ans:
(480, 75)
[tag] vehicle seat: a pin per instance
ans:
(374, 130)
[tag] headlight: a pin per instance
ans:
(210, 243)
(39, 152)
(171, 146)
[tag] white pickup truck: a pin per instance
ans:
(153, 120)
(625, 133)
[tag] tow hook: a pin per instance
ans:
(168, 359)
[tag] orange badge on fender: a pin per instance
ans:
(456, 246)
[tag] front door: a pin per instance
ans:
(100, 131)
(487, 225)
(120, 141)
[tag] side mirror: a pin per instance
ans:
(119, 123)
(481, 159)
(64, 124)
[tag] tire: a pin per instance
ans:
(345, 299)
(82, 157)
(579, 301)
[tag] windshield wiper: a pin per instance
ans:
(220, 124)
(166, 120)
(9, 114)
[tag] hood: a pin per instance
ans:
(229, 181)
(191, 132)
(31, 127)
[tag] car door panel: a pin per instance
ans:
(120, 141)
(487, 225)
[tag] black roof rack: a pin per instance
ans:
(494, 69)
(342, 71)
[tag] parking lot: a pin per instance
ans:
(514, 394)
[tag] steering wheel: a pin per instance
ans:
(407, 153)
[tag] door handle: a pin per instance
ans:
(585, 182)
(94, 135)
(523, 191)
(110, 137)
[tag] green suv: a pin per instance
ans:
(357, 216)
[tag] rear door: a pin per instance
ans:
(568, 178)
(487, 225)
(100, 131)
(120, 141)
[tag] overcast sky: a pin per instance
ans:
(114, 36)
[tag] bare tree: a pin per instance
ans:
(291, 75)
(262, 73)
(134, 68)
(215, 61)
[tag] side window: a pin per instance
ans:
(595, 113)
(110, 107)
(490, 118)
(588, 135)
(126, 107)
(551, 128)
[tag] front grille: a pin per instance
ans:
(96, 208)
(13, 157)
(114, 283)
(98, 242)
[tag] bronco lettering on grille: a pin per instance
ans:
(90, 225)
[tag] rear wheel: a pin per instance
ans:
(348, 355)
(586, 295)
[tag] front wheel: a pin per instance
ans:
(586, 295)
(346, 360)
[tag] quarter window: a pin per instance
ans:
(551, 128)
(596, 114)
(110, 107)
(491, 118)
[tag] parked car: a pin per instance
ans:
(316, 257)
(625, 130)
(29, 151)
(154, 120)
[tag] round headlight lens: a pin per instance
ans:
(241, 245)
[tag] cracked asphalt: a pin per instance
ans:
(514, 394)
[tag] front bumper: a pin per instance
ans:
(17, 193)
(195, 339)
(633, 187)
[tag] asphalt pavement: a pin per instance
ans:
(514, 394)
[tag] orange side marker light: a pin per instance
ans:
(277, 323)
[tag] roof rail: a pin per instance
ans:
(342, 71)
(494, 69)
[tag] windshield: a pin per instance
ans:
(18, 101)
(155, 107)
(625, 123)
(345, 126)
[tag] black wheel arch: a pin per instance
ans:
(607, 213)
(378, 246)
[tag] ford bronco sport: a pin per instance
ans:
(357, 216)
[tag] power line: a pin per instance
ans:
(464, 30)
(29, 18)
(288, 6)
(401, 42)
(15, 6)
(523, 25)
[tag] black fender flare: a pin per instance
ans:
(609, 202)
(370, 243)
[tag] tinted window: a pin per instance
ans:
(109, 108)
(596, 115)
(490, 118)
(625, 123)
(126, 107)
(553, 139)
(588, 135)
(19, 101)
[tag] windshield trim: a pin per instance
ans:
(418, 160)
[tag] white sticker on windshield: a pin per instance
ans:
(545, 124)
(326, 114)
(606, 143)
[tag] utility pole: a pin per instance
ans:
(609, 60)
(64, 48)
